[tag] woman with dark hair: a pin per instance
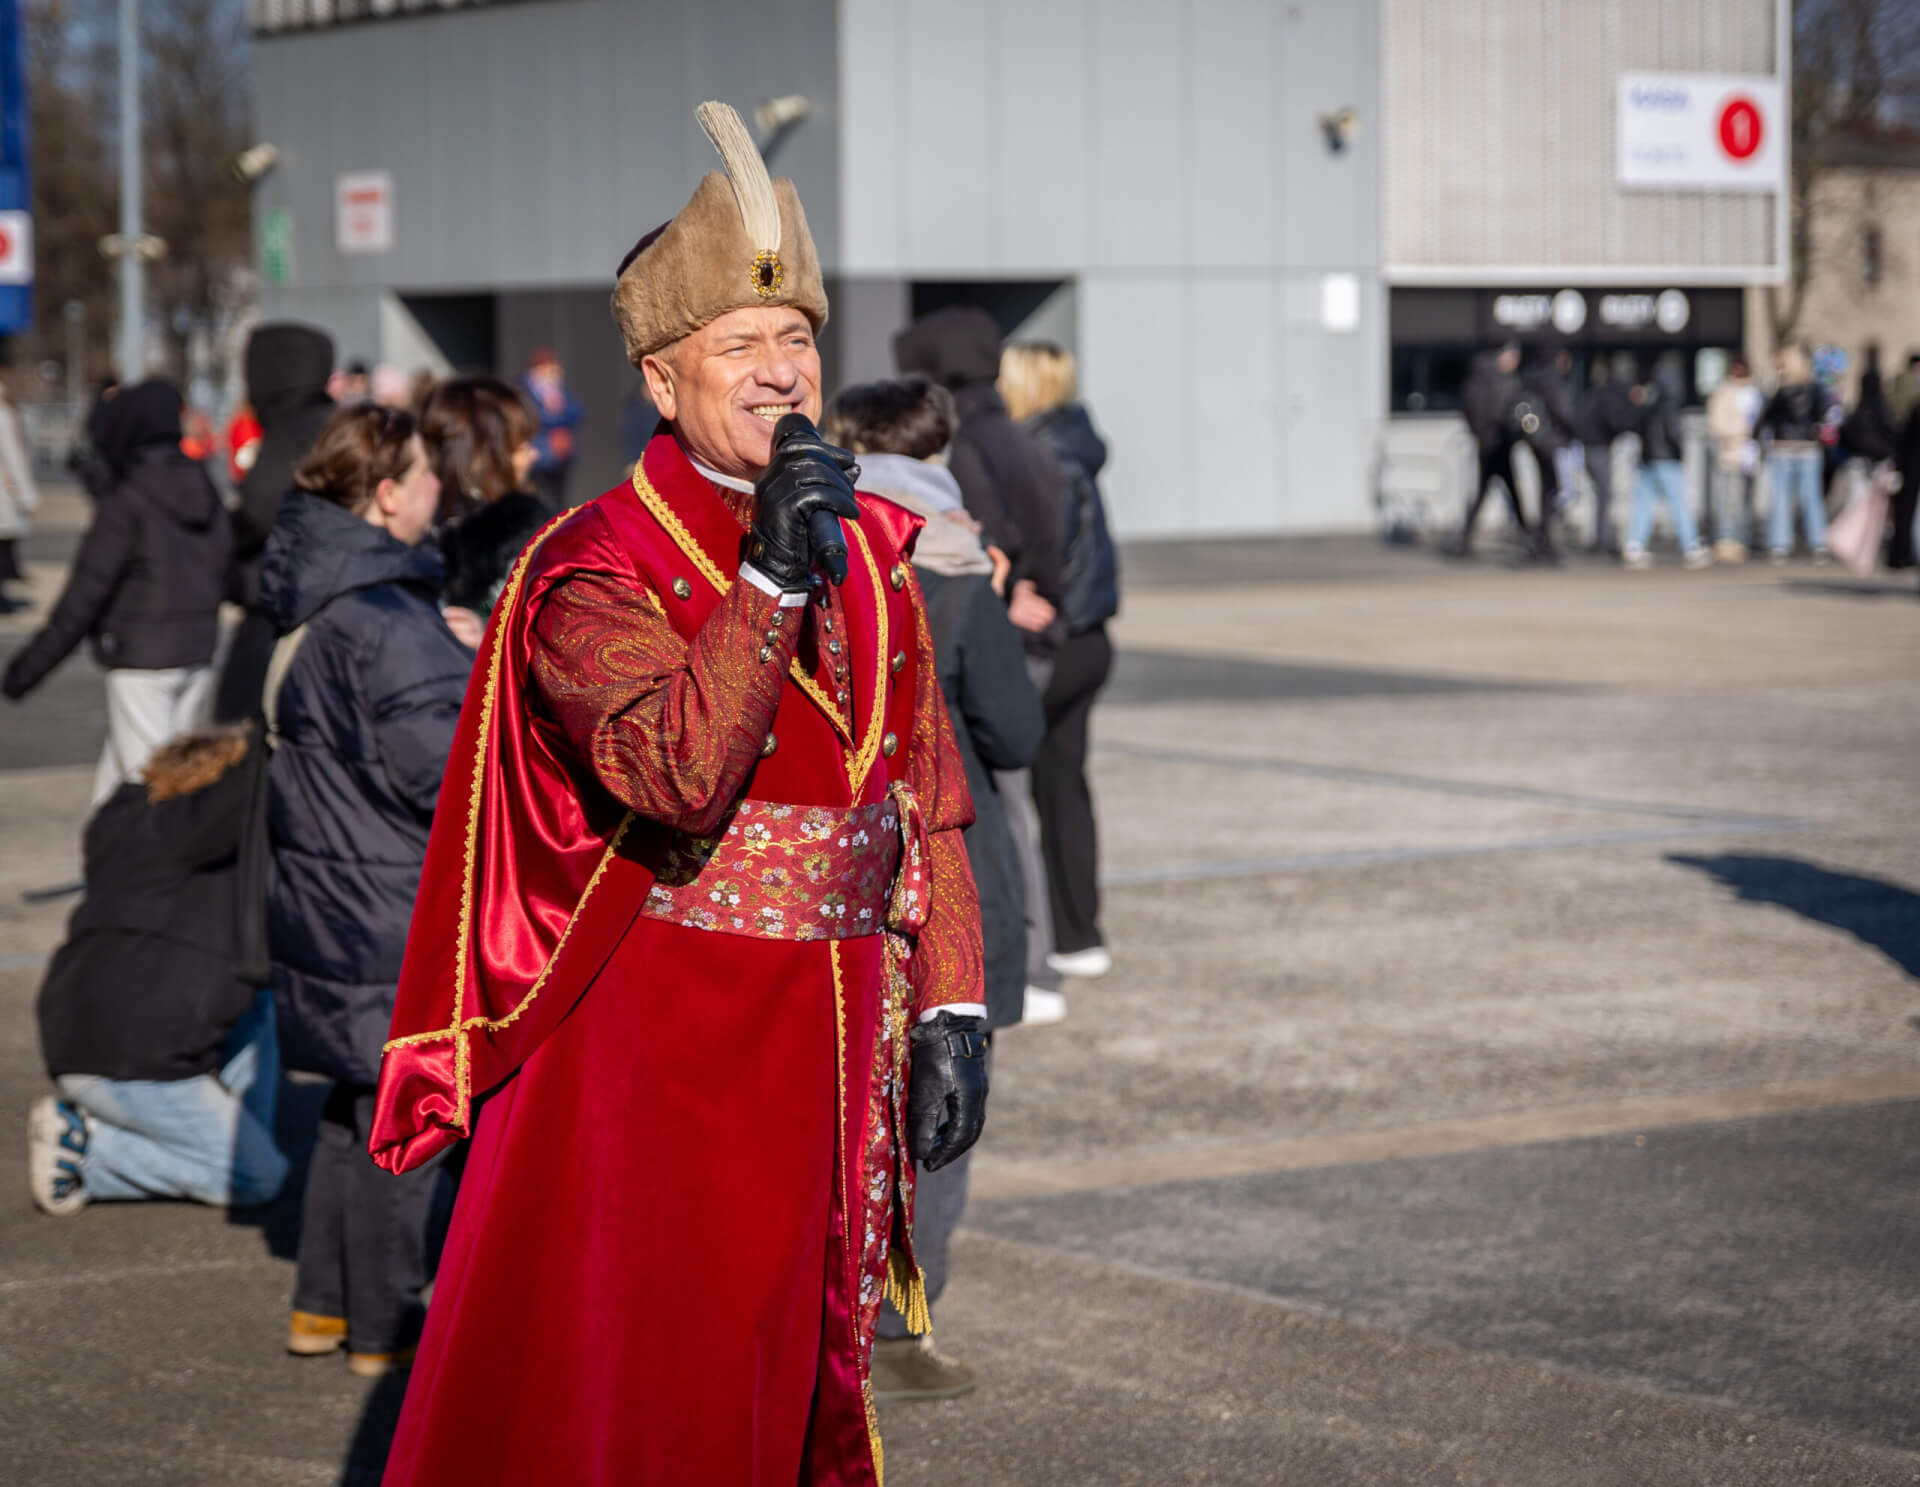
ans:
(363, 694)
(479, 433)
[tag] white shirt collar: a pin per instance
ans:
(718, 479)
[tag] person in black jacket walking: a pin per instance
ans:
(1039, 382)
(287, 367)
(151, 1018)
(1492, 396)
(145, 588)
(900, 431)
(364, 716)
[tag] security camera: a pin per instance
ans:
(1339, 129)
(780, 113)
(252, 163)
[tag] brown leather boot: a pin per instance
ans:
(907, 1370)
(377, 1365)
(310, 1335)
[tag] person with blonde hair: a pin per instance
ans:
(1039, 381)
(1789, 427)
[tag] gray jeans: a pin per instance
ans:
(144, 710)
(1023, 825)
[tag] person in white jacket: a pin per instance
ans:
(19, 499)
(1732, 408)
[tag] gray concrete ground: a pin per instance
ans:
(1509, 1073)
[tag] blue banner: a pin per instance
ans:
(16, 200)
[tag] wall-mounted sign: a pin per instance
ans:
(1704, 131)
(276, 246)
(363, 211)
(1590, 315)
(16, 247)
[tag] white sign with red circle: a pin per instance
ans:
(16, 247)
(363, 211)
(1704, 131)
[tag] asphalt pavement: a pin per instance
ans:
(1509, 1074)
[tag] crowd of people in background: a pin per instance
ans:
(1778, 458)
(287, 648)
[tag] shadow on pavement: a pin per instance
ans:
(1851, 588)
(366, 1459)
(1884, 915)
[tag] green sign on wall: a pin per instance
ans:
(276, 245)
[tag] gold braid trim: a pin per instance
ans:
(873, 1434)
(859, 768)
(461, 1028)
(684, 540)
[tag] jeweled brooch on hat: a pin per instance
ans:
(767, 275)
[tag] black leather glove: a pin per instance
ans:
(807, 480)
(947, 1092)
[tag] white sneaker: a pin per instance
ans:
(1698, 558)
(1043, 1006)
(1095, 960)
(1636, 560)
(56, 1142)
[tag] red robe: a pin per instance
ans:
(684, 1194)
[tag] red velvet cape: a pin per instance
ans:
(679, 1209)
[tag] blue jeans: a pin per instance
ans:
(209, 1138)
(1788, 473)
(1665, 479)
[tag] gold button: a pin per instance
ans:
(841, 696)
(766, 653)
(682, 589)
(777, 618)
(826, 623)
(834, 646)
(899, 576)
(889, 744)
(769, 746)
(899, 660)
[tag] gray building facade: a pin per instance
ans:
(1217, 204)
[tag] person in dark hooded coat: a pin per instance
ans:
(145, 587)
(370, 686)
(1012, 486)
(287, 367)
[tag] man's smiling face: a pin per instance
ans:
(724, 387)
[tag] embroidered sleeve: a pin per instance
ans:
(669, 727)
(948, 962)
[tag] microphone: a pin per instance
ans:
(823, 527)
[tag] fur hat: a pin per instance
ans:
(741, 241)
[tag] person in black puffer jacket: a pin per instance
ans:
(145, 586)
(900, 431)
(1039, 382)
(364, 718)
(152, 1020)
(287, 366)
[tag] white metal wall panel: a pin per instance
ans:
(950, 193)
(1143, 129)
(1232, 382)
(1500, 138)
(1234, 177)
(1136, 361)
(1042, 209)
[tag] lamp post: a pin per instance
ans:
(133, 309)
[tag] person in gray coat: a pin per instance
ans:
(900, 431)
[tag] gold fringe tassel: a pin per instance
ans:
(907, 1290)
(873, 1439)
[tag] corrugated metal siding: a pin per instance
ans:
(530, 145)
(1499, 129)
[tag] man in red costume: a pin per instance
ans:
(696, 956)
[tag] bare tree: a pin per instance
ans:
(1856, 70)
